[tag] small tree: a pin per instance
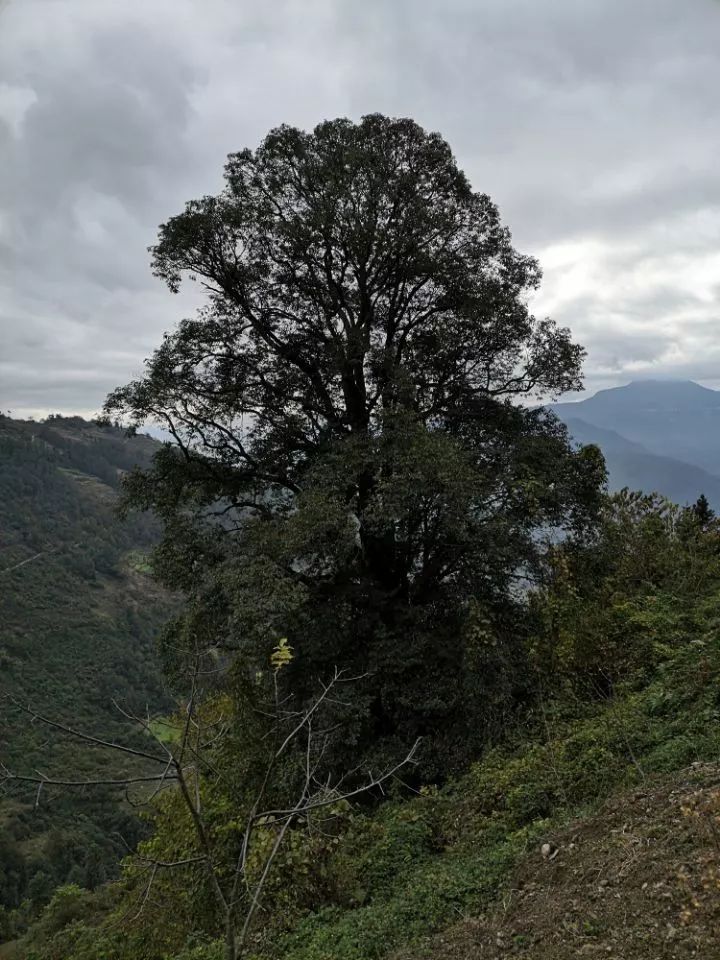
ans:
(703, 511)
(239, 804)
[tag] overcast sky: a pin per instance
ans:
(594, 124)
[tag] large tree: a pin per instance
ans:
(353, 406)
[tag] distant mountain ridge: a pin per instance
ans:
(657, 435)
(584, 432)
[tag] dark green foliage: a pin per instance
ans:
(612, 609)
(13, 874)
(703, 511)
(346, 405)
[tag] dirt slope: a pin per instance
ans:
(639, 880)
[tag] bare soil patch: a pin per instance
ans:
(638, 880)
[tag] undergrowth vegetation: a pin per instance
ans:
(370, 881)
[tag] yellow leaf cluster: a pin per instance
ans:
(282, 655)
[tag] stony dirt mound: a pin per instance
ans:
(639, 880)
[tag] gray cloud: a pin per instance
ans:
(593, 124)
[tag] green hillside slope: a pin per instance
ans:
(78, 621)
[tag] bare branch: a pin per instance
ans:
(370, 784)
(146, 896)
(88, 738)
(171, 863)
(7, 776)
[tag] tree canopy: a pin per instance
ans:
(356, 463)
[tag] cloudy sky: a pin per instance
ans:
(594, 124)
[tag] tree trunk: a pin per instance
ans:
(230, 948)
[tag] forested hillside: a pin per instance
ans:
(79, 617)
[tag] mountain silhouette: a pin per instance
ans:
(670, 418)
(656, 435)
